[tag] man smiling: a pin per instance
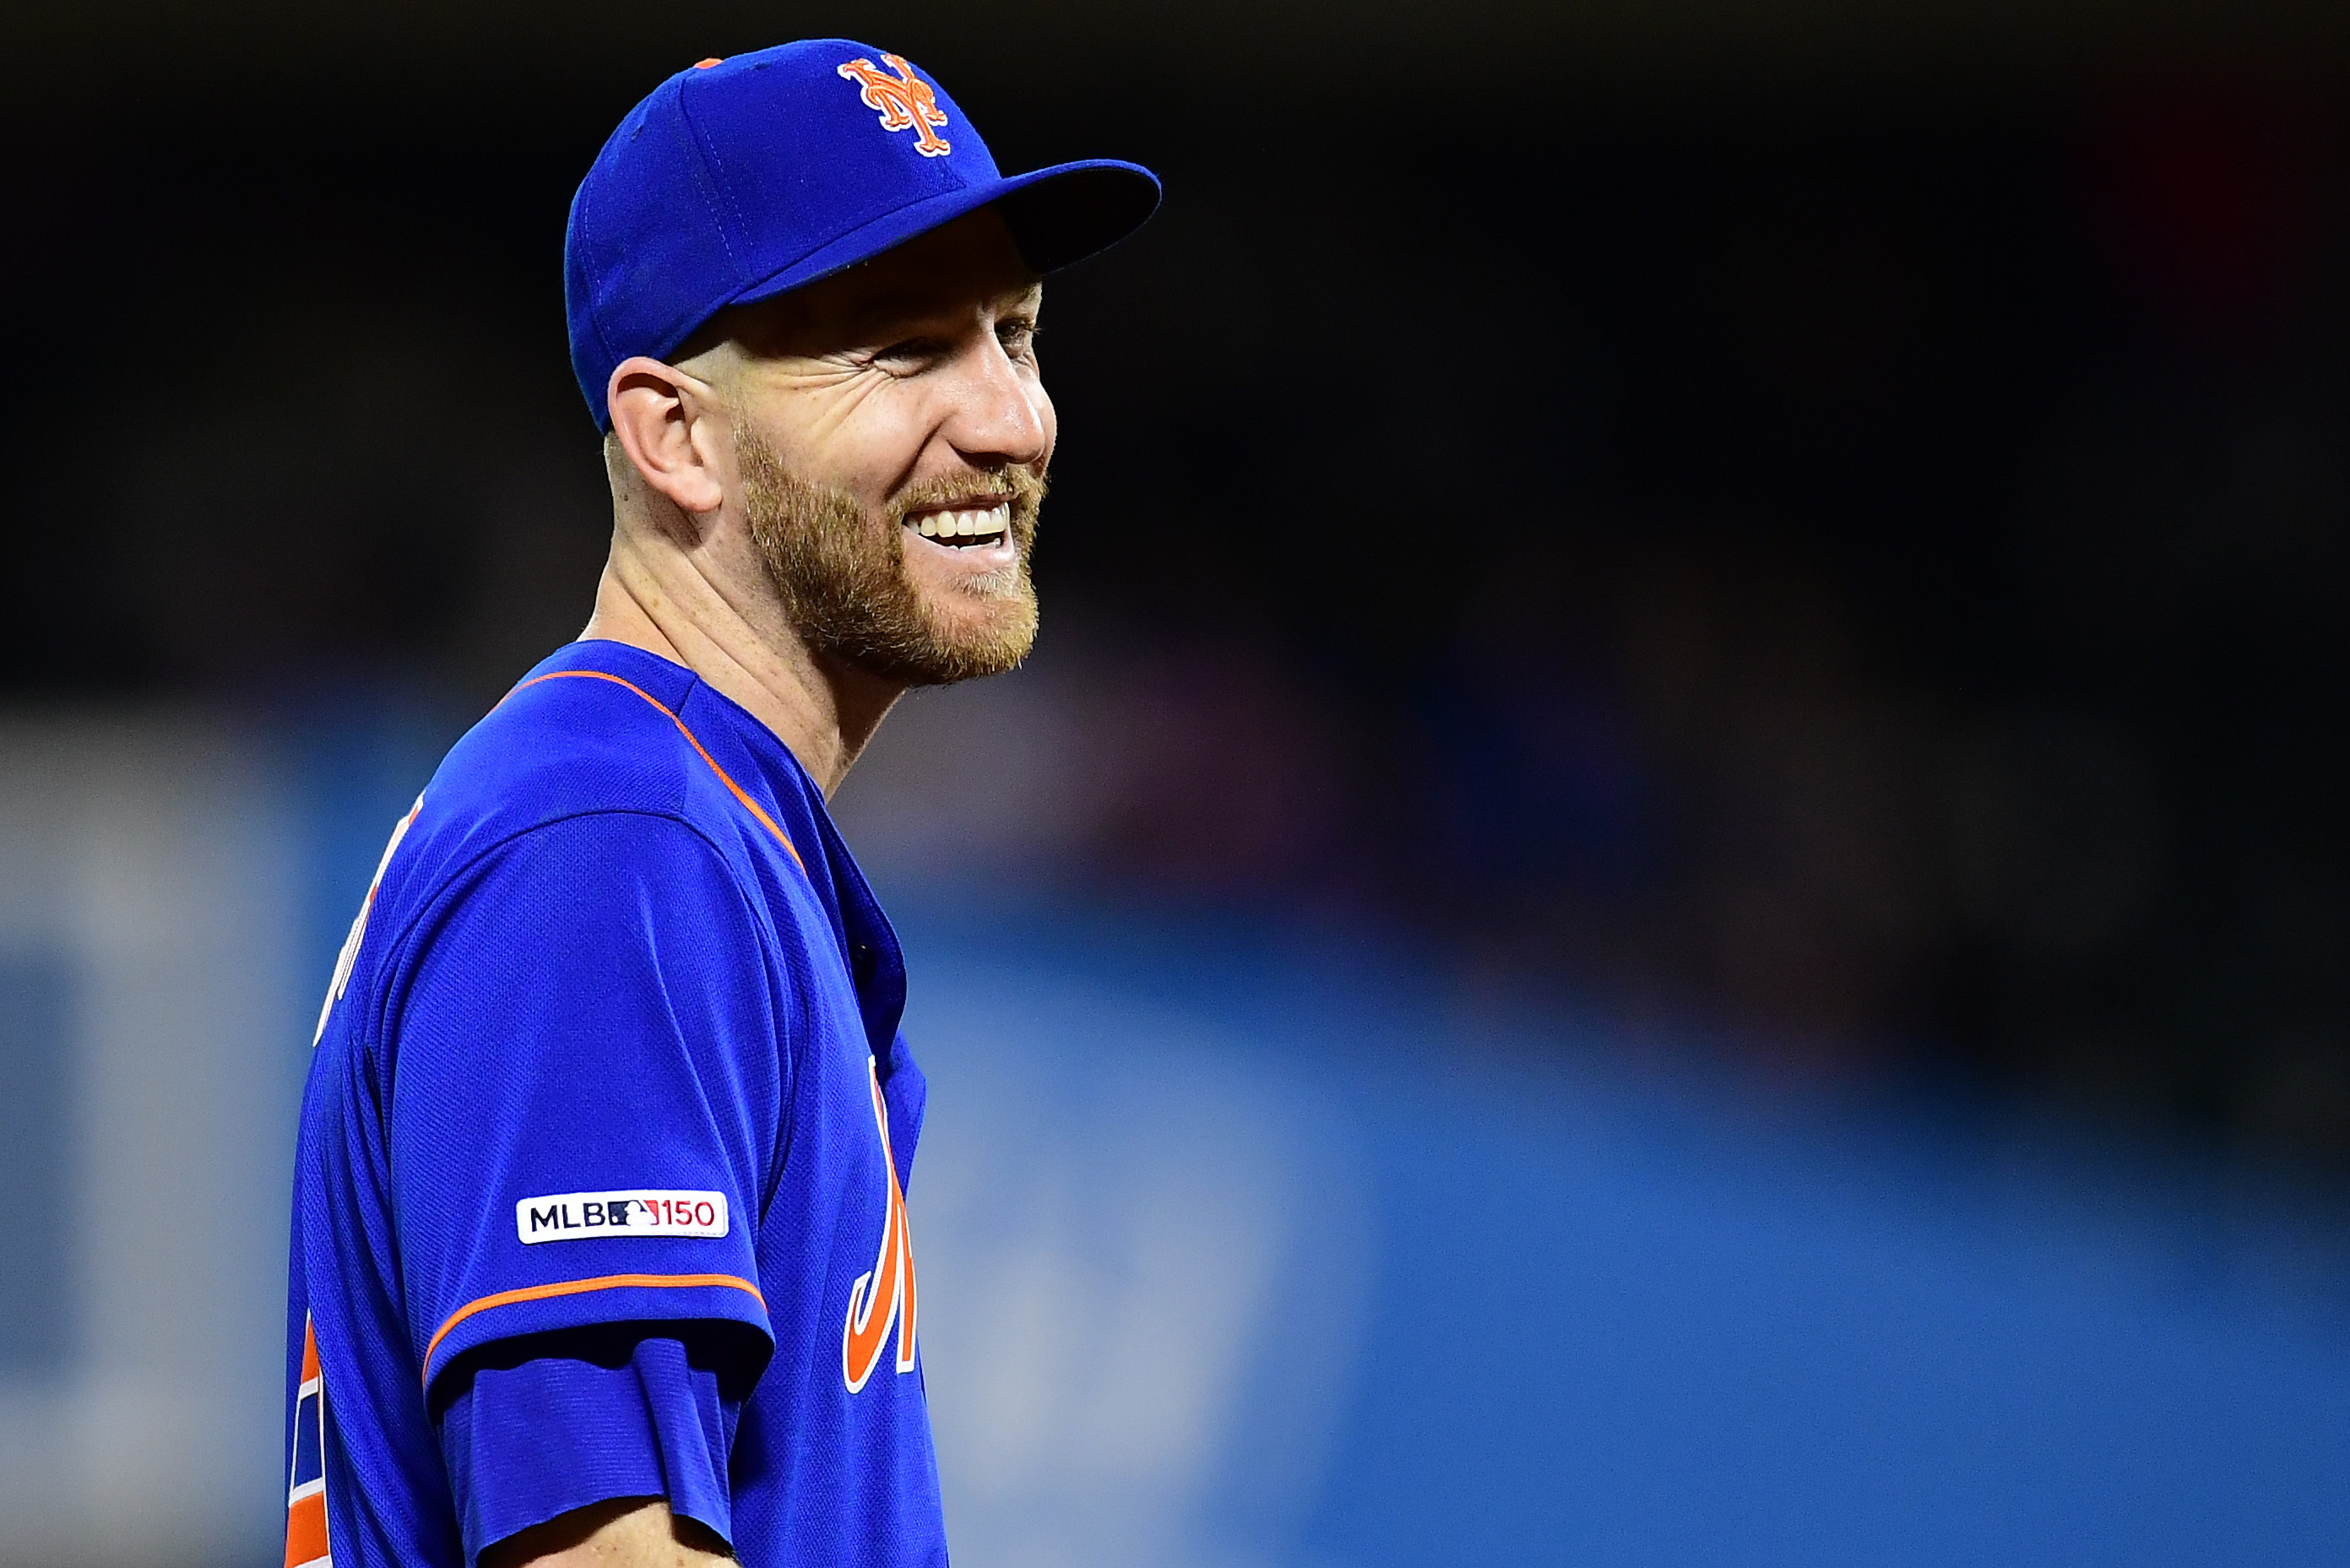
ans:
(600, 1251)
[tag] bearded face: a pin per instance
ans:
(843, 575)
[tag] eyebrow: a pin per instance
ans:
(903, 303)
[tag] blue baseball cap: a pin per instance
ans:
(742, 178)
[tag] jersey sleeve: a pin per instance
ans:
(556, 1422)
(585, 1054)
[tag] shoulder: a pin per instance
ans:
(581, 781)
(576, 914)
(595, 728)
(599, 932)
(593, 731)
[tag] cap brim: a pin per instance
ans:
(1057, 215)
(1072, 210)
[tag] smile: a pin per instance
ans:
(962, 528)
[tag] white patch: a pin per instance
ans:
(625, 1211)
(350, 953)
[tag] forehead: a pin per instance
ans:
(967, 265)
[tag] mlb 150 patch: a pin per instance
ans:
(628, 1212)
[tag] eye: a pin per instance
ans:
(1018, 336)
(910, 354)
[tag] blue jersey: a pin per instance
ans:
(609, 1094)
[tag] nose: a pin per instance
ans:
(1001, 416)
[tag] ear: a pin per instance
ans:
(673, 426)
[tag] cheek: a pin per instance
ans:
(862, 441)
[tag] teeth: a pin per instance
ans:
(996, 519)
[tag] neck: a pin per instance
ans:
(667, 603)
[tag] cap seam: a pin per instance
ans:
(713, 187)
(948, 162)
(584, 207)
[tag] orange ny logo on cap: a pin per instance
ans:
(902, 100)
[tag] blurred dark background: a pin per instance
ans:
(1826, 520)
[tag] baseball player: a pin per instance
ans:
(599, 1245)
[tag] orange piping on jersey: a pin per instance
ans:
(765, 820)
(581, 1287)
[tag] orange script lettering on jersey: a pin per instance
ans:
(886, 1295)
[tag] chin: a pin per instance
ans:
(974, 640)
(981, 609)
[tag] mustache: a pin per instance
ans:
(1025, 486)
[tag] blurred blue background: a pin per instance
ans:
(1432, 1282)
(1672, 884)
